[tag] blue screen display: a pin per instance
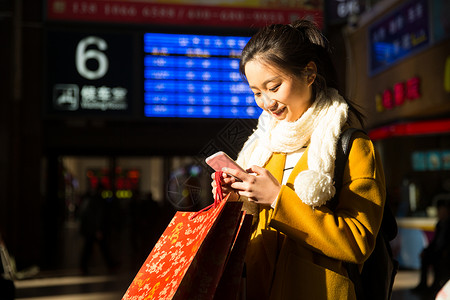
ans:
(403, 32)
(195, 76)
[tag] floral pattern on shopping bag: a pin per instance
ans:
(165, 267)
(204, 273)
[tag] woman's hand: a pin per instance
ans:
(260, 186)
(226, 182)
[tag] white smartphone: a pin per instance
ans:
(220, 159)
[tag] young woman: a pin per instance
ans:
(299, 246)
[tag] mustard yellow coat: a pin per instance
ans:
(297, 252)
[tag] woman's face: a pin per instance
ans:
(284, 96)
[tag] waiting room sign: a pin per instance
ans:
(89, 73)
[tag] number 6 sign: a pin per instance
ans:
(83, 55)
(90, 72)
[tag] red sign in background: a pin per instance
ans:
(124, 179)
(140, 12)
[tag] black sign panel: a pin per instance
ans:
(404, 31)
(89, 73)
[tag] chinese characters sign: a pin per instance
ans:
(126, 181)
(401, 91)
(89, 73)
(342, 10)
(149, 12)
(398, 35)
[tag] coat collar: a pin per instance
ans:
(276, 165)
(301, 165)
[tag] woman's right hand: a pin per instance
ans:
(225, 181)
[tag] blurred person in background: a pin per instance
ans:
(436, 256)
(95, 228)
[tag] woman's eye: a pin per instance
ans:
(257, 95)
(274, 89)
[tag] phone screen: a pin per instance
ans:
(220, 160)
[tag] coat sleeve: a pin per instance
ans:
(348, 233)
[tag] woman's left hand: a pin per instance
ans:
(258, 185)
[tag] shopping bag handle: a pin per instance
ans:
(218, 197)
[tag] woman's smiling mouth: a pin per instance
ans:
(278, 111)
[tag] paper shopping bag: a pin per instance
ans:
(232, 277)
(189, 258)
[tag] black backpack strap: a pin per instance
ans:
(342, 150)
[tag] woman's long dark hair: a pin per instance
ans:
(291, 47)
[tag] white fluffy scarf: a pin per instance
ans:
(320, 125)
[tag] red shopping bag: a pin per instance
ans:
(189, 258)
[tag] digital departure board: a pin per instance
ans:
(195, 76)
